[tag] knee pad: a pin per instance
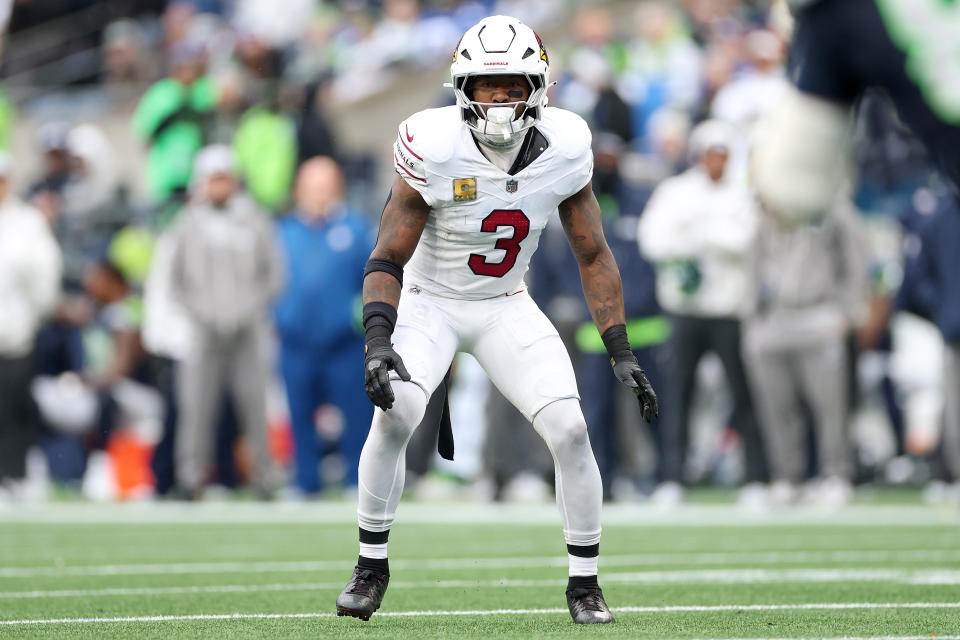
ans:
(562, 424)
(409, 405)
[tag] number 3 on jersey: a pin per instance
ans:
(501, 218)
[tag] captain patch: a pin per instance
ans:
(464, 189)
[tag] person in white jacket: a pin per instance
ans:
(30, 268)
(698, 229)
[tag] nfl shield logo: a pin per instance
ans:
(511, 186)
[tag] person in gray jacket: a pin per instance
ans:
(811, 290)
(225, 272)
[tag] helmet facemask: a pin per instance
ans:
(499, 124)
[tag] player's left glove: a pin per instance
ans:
(628, 371)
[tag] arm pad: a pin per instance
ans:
(379, 313)
(617, 344)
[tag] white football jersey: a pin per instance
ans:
(484, 223)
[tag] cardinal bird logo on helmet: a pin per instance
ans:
(543, 51)
(457, 48)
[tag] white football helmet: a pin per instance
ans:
(500, 45)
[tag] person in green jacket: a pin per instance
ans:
(172, 119)
(265, 145)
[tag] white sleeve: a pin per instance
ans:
(582, 173)
(580, 152)
(409, 165)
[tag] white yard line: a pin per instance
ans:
(475, 513)
(736, 576)
(647, 559)
(495, 612)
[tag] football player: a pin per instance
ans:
(477, 183)
(840, 48)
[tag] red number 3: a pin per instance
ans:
(501, 218)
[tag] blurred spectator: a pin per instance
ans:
(668, 131)
(314, 134)
(265, 145)
(168, 337)
(90, 210)
(29, 288)
(326, 246)
(172, 119)
(276, 29)
(125, 57)
(698, 228)
(591, 94)
(931, 289)
(386, 46)
(225, 273)
(232, 100)
(121, 359)
(594, 30)
(389, 43)
(758, 87)
(321, 46)
(176, 23)
(260, 65)
(706, 15)
(121, 315)
(811, 290)
(46, 191)
(8, 115)
(92, 184)
(664, 64)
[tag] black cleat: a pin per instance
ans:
(363, 594)
(588, 607)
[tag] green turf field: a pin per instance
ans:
(244, 570)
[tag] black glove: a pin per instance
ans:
(628, 372)
(379, 360)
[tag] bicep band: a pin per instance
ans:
(385, 265)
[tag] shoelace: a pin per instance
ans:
(365, 582)
(590, 599)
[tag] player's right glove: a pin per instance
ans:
(628, 371)
(380, 359)
(379, 319)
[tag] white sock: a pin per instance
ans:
(582, 566)
(375, 551)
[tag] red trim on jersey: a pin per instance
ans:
(400, 138)
(405, 169)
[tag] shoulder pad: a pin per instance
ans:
(568, 131)
(430, 134)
